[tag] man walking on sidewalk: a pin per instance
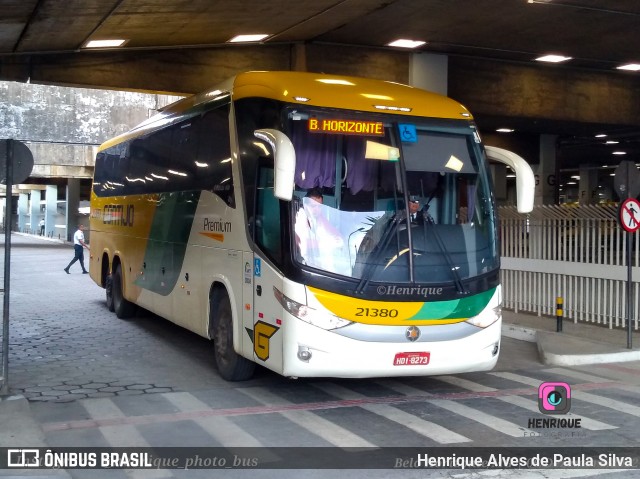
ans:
(78, 245)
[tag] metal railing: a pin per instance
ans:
(575, 252)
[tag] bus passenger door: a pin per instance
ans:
(267, 311)
(267, 316)
(248, 309)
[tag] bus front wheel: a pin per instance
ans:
(231, 365)
(124, 309)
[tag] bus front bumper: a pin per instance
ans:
(313, 352)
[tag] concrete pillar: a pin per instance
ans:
(34, 211)
(23, 211)
(51, 210)
(71, 212)
(299, 57)
(588, 186)
(544, 192)
(429, 72)
(546, 174)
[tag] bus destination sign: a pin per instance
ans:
(346, 127)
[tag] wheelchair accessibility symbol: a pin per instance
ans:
(408, 133)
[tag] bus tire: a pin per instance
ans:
(108, 287)
(231, 365)
(123, 308)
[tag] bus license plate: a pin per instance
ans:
(411, 359)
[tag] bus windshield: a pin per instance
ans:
(383, 200)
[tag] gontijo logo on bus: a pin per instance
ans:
(118, 215)
(346, 127)
(215, 228)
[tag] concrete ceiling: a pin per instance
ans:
(598, 34)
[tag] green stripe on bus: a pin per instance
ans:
(455, 308)
(167, 244)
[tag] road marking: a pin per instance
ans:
(576, 374)
(221, 428)
(121, 435)
(424, 428)
(330, 432)
(493, 422)
(581, 395)
(524, 403)
(411, 394)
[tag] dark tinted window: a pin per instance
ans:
(194, 154)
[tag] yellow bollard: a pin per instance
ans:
(559, 302)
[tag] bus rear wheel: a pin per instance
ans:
(123, 308)
(231, 365)
(108, 287)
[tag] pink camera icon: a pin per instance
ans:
(554, 398)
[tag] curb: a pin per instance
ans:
(519, 332)
(615, 355)
(43, 238)
(544, 339)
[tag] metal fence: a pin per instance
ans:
(575, 252)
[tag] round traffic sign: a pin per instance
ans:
(630, 215)
(22, 161)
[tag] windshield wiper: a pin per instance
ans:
(372, 261)
(443, 249)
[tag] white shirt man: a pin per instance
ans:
(78, 245)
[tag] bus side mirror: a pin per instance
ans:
(284, 161)
(525, 180)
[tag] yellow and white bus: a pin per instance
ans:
(205, 215)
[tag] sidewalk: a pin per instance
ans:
(577, 344)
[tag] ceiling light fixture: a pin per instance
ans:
(551, 58)
(108, 43)
(405, 43)
(505, 130)
(632, 67)
(256, 37)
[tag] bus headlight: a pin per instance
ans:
(321, 319)
(487, 317)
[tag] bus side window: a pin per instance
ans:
(213, 159)
(267, 221)
(183, 156)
